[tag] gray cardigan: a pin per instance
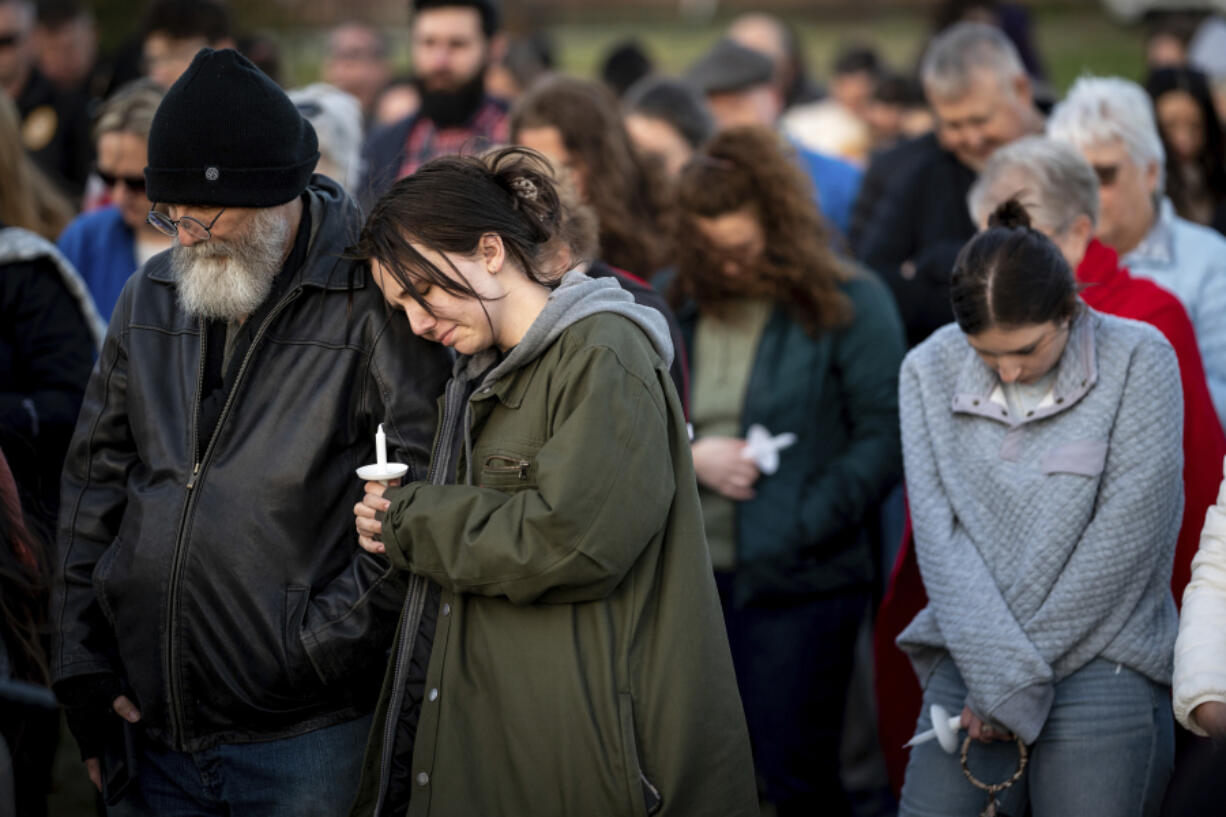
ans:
(1044, 541)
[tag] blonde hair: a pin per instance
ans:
(28, 198)
(130, 109)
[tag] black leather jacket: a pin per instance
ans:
(221, 579)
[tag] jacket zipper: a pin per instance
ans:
(410, 617)
(201, 462)
(508, 465)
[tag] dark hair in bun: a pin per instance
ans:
(1010, 214)
(450, 202)
(1011, 275)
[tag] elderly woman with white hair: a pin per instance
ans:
(1111, 121)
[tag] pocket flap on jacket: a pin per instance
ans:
(1084, 457)
(506, 470)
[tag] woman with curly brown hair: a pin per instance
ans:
(785, 336)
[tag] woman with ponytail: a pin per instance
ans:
(1042, 449)
(561, 650)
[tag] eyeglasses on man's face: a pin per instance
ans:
(194, 227)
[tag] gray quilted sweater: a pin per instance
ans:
(1044, 541)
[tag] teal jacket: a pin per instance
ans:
(805, 531)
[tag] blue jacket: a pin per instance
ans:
(837, 183)
(803, 532)
(1190, 261)
(103, 249)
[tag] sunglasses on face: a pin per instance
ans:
(1107, 174)
(134, 183)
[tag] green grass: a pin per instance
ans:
(1071, 40)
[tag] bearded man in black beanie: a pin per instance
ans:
(219, 636)
(454, 42)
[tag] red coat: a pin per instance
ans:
(1108, 288)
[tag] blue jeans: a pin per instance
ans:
(311, 775)
(1107, 749)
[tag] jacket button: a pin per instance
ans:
(1030, 414)
(433, 696)
(423, 779)
(974, 402)
(446, 609)
(1059, 400)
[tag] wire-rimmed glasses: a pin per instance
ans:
(194, 227)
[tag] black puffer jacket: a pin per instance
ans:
(46, 353)
(221, 579)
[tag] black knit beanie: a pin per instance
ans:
(226, 135)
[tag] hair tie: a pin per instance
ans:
(525, 188)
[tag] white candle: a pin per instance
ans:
(381, 446)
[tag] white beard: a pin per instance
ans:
(228, 280)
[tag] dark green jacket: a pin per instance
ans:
(803, 533)
(580, 659)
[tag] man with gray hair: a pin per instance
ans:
(982, 99)
(1111, 122)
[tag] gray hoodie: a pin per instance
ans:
(575, 298)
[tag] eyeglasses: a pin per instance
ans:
(134, 183)
(194, 227)
(11, 39)
(1106, 174)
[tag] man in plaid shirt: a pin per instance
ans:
(452, 45)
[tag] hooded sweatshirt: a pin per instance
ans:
(575, 298)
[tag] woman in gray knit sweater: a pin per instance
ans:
(1041, 443)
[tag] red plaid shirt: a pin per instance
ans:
(489, 126)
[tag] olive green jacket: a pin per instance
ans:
(580, 663)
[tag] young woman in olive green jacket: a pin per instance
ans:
(562, 650)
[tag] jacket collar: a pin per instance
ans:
(509, 391)
(1157, 249)
(1076, 374)
(335, 225)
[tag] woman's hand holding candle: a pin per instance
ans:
(366, 516)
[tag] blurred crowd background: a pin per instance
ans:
(84, 79)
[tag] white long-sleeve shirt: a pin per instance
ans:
(1200, 649)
